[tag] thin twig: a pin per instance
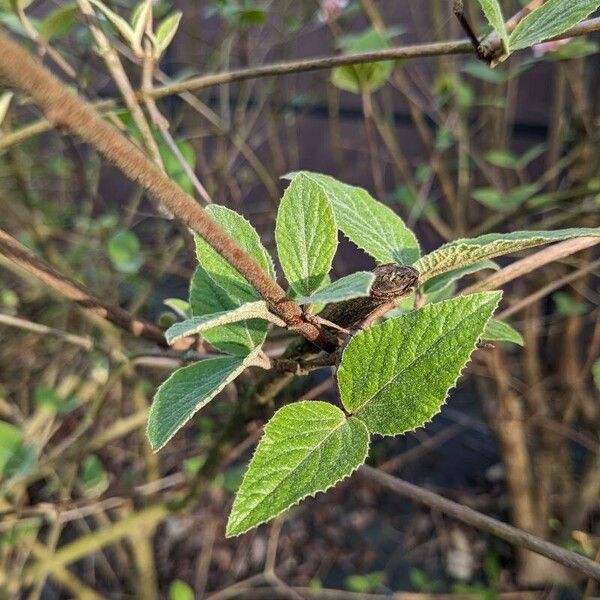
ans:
(21, 256)
(68, 110)
(483, 522)
(532, 263)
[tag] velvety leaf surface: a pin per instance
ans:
(186, 391)
(207, 298)
(251, 310)
(369, 224)
(499, 331)
(222, 273)
(396, 376)
(307, 447)
(356, 285)
(306, 235)
(551, 19)
(460, 253)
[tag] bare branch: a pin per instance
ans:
(476, 519)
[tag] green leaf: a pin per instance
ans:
(596, 373)
(93, 476)
(371, 225)
(306, 235)
(124, 251)
(186, 391)
(173, 166)
(356, 285)
(251, 310)
(222, 273)
(551, 19)
(396, 376)
(499, 331)
(139, 20)
(568, 306)
(368, 76)
(493, 13)
(460, 253)
(206, 297)
(166, 31)
(119, 23)
(502, 159)
(307, 448)
(179, 307)
(441, 282)
(58, 23)
(180, 590)
(11, 442)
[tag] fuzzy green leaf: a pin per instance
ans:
(222, 273)
(251, 310)
(396, 376)
(371, 225)
(118, 22)
(460, 253)
(307, 447)
(493, 13)
(306, 235)
(207, 298)
(499, 331)
(444, 281)
(356, 285)
(551, 19)
(186, 391)
(166, 31)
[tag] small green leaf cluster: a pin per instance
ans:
(134, 30)
(392, 377)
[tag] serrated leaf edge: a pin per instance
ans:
(453, 385)
(228, 534)
(245, 362)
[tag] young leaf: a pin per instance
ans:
(356, 285)
(551, 19)
(493, 13)
(364, 77)
(11, 441)
(166, 32)
(58, 23)
(306, 235)
(499, 331)
(460, 253)
(596, 373)
(186, 391)
(179, 307)
(206, 297)
(307, 448)
(124, 251)
(251, 310)
(441, 282)
(396, 376)
(218, 268)
(372, 226)
(139, 20)
(118, 22)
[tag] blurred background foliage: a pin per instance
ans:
(457, 149)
